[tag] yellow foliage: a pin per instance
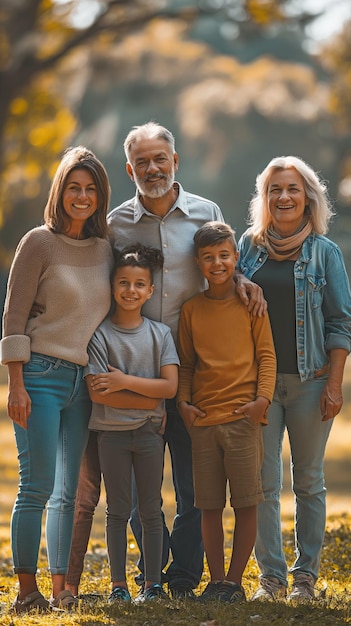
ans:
(18, 106)
(31, 170)
(265, 11)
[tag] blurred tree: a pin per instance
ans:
(56, 54)
(336, 56)
(36, 118)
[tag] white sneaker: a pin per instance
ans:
(270, 589)
(303, 588)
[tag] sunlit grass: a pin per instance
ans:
(333, 606)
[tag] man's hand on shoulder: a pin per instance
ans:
(251, 294)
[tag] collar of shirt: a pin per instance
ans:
(180, 203)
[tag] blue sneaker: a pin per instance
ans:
(154, 592)
(119, 594)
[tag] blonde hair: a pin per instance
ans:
(318, 209)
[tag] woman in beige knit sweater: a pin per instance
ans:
(58, 293)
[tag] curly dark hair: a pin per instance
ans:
(137, 255)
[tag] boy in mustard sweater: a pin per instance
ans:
(226, 384)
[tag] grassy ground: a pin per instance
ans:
(333, 605)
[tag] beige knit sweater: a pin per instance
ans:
(58, 293)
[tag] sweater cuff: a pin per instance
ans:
(15, 348)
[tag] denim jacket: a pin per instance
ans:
(322, 297)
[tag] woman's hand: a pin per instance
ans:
(189, 413)
(19, 404)
(251, 295)
(331, 401)
(331, 398)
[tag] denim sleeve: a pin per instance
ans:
(337, 303)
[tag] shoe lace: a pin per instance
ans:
(304, 581)
(269, 585)
(119, 593)
(229, 590)
(211, 590)
(154, 591)
(304, 584)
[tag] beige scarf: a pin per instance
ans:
(284, 248)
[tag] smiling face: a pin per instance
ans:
(286, 200)
(217, 263)
(132, 287)
(152, 166)
(80, 200)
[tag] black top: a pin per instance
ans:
(277, 281)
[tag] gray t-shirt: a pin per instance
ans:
(140, 351)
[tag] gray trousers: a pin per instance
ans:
(121, 453)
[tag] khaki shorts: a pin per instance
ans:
(233, 453)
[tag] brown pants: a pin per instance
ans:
(88, 495)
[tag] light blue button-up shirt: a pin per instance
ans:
(180, 277)
(322, 297)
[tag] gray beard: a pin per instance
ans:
(159, 190)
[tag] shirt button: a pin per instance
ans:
(301, 293)
(165, 245)
(300, 323)
(165, 295)
(166, 271)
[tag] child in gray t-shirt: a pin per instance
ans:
(136, 357)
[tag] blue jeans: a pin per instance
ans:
(49, 454)
(185, 540)
(295, 407)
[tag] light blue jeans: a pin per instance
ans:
(49, 454)
(295, 407)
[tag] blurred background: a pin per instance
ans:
(237, 81)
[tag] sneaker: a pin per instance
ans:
(210, 593)
(33, 601)
(231, 592)
(181, 590)
(223, 591)
(303, 588)
(64, 600)
(119, 594)
(270, 589)
(154, 592)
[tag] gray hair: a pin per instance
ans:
(319, 208)
(150, 130)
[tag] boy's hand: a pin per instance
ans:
(251, 295)
(256, 411)
(189, 413)
(110, 381)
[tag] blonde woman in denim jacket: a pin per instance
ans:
(306, 286)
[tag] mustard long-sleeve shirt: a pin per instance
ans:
(227, 357)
